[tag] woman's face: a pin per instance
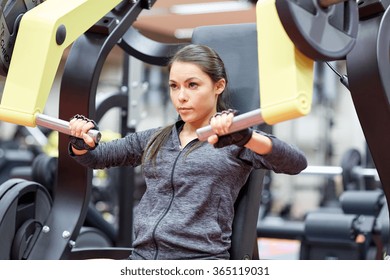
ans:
(193, 93)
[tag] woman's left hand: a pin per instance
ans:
(220, 123)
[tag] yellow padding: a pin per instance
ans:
(285, 74)
(36, 55)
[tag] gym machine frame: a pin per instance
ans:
(81, 85)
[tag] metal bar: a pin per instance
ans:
(38, 135)
(338, 170)
(240, 122)
(323, 170)
(327, 3)
(62, 126)
(366, 172)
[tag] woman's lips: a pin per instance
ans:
(184, 109)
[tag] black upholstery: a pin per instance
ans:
(237, 46)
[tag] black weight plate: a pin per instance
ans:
(322, 34)
(22, 202)
(11, 12)
(24, 239)
(7, 185)
(349, 160)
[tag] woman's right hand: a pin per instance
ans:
(80, 141)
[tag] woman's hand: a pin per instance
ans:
(81, 142)
(220, 123)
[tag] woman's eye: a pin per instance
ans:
(192, 85)
(173, 86)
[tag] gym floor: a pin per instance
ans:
(278, 249)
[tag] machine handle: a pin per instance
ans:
(240, 122)
(62, 126)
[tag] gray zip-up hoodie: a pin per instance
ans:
(188, 207)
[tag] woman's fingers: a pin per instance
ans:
(88, 140)
(212, 139)
(221, 123)
(79, 127)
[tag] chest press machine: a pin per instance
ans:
(36, 226)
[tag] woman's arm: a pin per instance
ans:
(259, 144)
(267, 151)
(119, 152)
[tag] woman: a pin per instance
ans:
(187, 209)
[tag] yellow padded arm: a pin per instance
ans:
(285, 74)
(37, 54)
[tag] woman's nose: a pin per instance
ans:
(183, 96)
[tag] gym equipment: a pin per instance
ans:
(303, 32)
(23, 101)
(62, 126)
(24, 209)
(363, 203)
(123, 195)
(358, 232)
(11, 159)
(11, 14)
(322, 30)
(96, 230)
(350, 170)
(44, 170)
(368, 68)
(334, 236)
(25, 206)
(359, 229)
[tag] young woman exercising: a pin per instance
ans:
(187, 209)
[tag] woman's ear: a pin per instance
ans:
(220, 86)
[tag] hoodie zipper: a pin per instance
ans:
(170, 202)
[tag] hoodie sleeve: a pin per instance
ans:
(284, 158)
(119, 152)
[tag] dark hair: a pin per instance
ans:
(206, 59)
(210, 63)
